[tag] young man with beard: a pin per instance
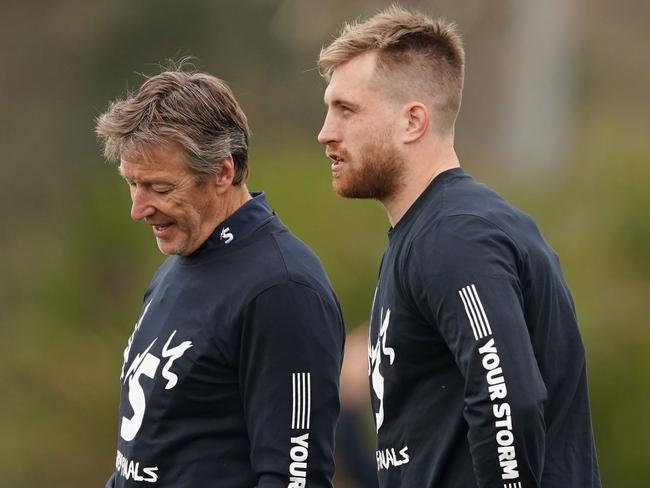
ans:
(476, 364)
(230, 377)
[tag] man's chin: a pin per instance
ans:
(169, 249)
(341, 188)
(349, 191)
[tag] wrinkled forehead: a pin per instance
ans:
(161, 154)
(148, 151)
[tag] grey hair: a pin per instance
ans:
(196, 111)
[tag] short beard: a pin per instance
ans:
(379, 175)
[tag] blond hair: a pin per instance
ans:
(195, 110)
(416, 55)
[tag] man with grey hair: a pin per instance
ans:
(476, 364)
(230, 377)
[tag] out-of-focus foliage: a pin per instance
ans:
(74, 267)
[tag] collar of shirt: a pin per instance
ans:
(242, 223)
(429, 191)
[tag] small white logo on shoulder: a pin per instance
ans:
(226, 235)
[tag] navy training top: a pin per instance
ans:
(230, 378)
(476, 365)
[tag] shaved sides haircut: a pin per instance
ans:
(417, 58)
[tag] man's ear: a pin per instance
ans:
(223, 180)
(417, 119)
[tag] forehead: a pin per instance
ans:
(355, 77)
(153, 158)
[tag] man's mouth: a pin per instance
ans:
(160, 230)
(337, 161)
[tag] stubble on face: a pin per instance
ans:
(378, 174)
(181, 209)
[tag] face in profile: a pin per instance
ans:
(359, 132)
(180, 209)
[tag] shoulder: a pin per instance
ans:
(293, 306)
(299, 262)
(461, 237)
(469, 219)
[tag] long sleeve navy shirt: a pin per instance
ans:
(476, 364)
(230, 378)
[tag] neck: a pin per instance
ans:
(228, 203)
(418, 175)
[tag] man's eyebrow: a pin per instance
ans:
(339, 102)
(123, 174)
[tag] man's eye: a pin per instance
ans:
(161, 189)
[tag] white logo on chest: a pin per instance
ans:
(146, 364)
(374, 362)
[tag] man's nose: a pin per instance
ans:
(328, 133)
(141, 206)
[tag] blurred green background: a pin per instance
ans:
(555, 117)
